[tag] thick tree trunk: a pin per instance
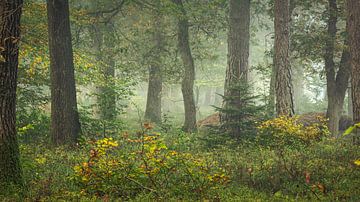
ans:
(65, 125)
(154, 95)
(336, 82)
(10, 12)
(238, 60)
(353, 8)
(153, 103)
(187, 84)
(283, 81)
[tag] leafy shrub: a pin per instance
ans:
(130, 166)
(288, 131)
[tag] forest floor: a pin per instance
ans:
(164, 163)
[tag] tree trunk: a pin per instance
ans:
(238, 60)
(65, 125)
(10, 12)
(272, 93)
(208, 96)
(103, 38)
(336, 82)
(107, 94)
(154, 95)
(218, 99)
(353, 8)
(187, 84)
(350, 104)
(283, 85)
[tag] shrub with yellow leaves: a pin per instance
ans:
(286, 130)
(145, 164)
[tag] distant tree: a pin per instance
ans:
(65, 124)
(10, 13)
(337, 80)
(353, 15)
(238, 62)
(283, 85)
(153, 103)
(187, 84)
(103, 38)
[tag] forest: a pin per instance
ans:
(179, 100)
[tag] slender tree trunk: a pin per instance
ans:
(350, 104)
(107, 94)
(336, 82)
(218, 98)
(103, 38)
(208, 96)
(187, 84)
(154, 96)
(283, 81)
(353, 14)
(272, 93)
(238, 60)
(10, 12)
(65, 125)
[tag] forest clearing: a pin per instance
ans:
(174, 100)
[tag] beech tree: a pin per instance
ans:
(187, 84)
(337, 80)
(153, 102)
(65, 124)
(10, 13)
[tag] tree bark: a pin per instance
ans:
(65, 124)
(10, 13)
(337, 82)
(283, 85)
(238, 60)
(187, 84)
(154, 95)
(353, 15)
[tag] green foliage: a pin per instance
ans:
(240, 117)
(145, 164)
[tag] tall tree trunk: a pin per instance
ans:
(353, 8)
(107, 94)
(154, 95)
(336, 82)
(283, 85)
(103, 38)
(238, 60)
(187, 84)
(65, 125)
(10, 12)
